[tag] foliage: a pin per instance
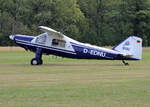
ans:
(99, 22)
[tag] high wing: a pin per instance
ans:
(51, 31)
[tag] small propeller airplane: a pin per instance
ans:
(56, 43)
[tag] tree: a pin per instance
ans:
(139, 15)
(99, 22)
(67, 18)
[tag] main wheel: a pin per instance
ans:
(35, 61)
(40, 62)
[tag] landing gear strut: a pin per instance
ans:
(38, 57)
(125, 63)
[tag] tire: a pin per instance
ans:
(35, 61)
(40, 62)
(126, 64)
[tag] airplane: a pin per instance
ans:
(56, 43)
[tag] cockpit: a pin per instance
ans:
(59, 43)
(55, 42)
(41, 38)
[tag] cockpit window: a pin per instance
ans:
(60, 43)
(41, 38)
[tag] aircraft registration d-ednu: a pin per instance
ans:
(56, 43)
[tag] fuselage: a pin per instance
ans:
(65, 47)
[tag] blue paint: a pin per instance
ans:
(24, 37)
(89, 53)
(38, 54)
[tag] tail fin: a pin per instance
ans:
(132, 47)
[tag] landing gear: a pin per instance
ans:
(35, 61)
(125, 63)
(38, 57)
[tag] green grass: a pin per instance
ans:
(66, 82)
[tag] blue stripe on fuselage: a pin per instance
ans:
(47, 50)
(24, 37)
(42, 46)
(25, 42)
(92, 53)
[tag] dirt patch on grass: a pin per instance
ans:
(11, 48)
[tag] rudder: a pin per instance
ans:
(132, 47)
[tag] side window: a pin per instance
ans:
(55, 42)
(59, 43)
(62, 43)
(41, 39)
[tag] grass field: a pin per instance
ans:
(66, 82)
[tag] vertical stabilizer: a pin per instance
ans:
(132, 47)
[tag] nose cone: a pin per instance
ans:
(11, 37)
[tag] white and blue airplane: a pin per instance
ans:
(56, 43)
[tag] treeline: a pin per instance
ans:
(99, 22)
